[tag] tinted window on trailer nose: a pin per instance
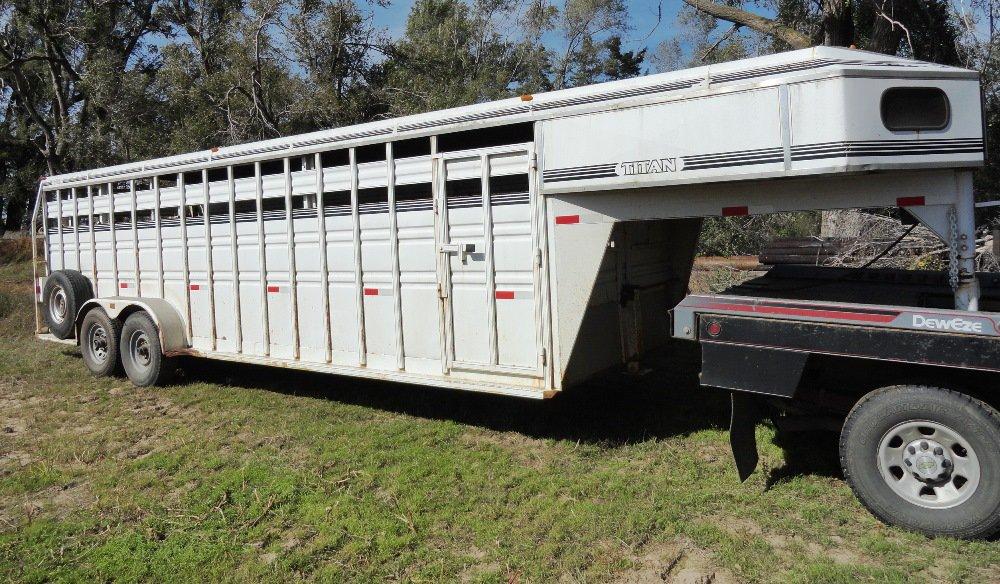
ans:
(915, 108)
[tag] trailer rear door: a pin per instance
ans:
(489, 274)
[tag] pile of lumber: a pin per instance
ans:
(812, 251)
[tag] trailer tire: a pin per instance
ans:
(99, 339)
(65, 292)
(142, 355)
(926, 459)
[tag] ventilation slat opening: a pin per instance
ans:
(486, 137)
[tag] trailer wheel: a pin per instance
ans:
(142, 355)
(926, 459)
(99, 339)
(64, 294)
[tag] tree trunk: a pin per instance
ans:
(838, 23)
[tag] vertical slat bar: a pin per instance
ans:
(397, 300)
(491, 297)
(76, 228)
(157, 220)
(324, 265)
(440, 237)
(293, 280)
(265, 317)
(59, 229)
(182, 212)
(237, 309)
(208, 257)
(114, 244)
(41, 204)
(135, 239)
(446, 261)
(358, 273)
(93, 240)
(541, 286)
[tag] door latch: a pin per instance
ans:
(462, 250)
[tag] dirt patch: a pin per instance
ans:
(10, 426)
(676, 562)
(787, 546)
(57, 502)
(840, 553)
(479, 567)
(529, 452)
(741, 526)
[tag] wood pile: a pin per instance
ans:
(812, 251)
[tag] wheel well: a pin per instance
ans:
(128, 311)
(84, 311)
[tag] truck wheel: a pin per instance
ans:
(925, 459)
(99, 336)
(142, 355)
(65, 292)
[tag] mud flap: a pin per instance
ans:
(746, 412)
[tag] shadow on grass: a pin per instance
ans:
(611, 410)
(813, 452)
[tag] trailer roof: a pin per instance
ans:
(528, 108)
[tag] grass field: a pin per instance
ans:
(247, 474)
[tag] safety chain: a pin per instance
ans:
(953, 244)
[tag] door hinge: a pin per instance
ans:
(544, 357)
(442, 293)
(534, 161)
(538, 258)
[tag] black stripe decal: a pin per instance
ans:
(735, 162)
(581, 177)
(870, 148)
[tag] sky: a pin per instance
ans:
(645, 30)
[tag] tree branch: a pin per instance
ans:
(787, 34)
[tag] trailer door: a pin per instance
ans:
(489, 253)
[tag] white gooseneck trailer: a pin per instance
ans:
(514, 247)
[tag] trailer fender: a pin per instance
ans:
(746, 412)
(173, 333)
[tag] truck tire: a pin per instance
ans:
(926, 459)
(99, 339)
(142, 355)
(65, 292)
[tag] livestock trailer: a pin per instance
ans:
(523, 246)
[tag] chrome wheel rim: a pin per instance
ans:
(58, 305)
(929, 464)
(97, 339)
(139, 349)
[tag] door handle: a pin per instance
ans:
(462, 250)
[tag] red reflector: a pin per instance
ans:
(371, 291)
(910, 202)
(735, 211)
(273, 289)
(714, 328)
(38, 289)
(567, 219)
(195, 287)
(505, 295)
(123, 285)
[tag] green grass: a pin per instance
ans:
(249, 474)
